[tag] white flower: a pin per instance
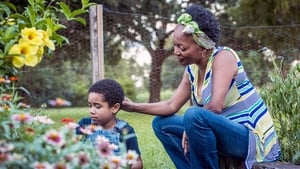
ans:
(44, 119)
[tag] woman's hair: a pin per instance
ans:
(206, 21)
(110, 89)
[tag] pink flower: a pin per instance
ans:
(41, 165)
(5, 149)
(22, 117)
(44, 119)
(85, 131)
(54, 138)
(83, 159)
(103, 146)
(104, 149)
(104, 140)
(69, 158)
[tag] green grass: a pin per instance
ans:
(153, 153)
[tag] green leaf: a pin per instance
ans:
(10, 5)
(10, 33)
(65, 10)
(32, 15)
(86, 4)
(58, 26)
(77, 12)
(9, 45)
(42, 23)
(81, 20)
(19, 16)
(60, 39)
(31, 2)
(4, 8)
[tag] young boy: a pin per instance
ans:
(105, 100)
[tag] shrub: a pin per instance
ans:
(282, 98)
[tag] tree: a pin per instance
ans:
(149, 26)
(142, 28)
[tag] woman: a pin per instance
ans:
(228, 117)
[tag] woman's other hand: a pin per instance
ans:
(185, 143)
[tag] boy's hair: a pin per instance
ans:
(110, 89)
(206, 21)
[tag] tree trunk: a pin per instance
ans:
(158, 56)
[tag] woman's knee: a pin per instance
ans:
(193, 112)
(194, 115)
(155, 123)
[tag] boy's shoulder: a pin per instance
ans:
(120, 125)
(124, 125)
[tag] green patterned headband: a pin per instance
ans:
(191, 27)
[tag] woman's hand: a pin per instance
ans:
(185, 143)
(127, 105)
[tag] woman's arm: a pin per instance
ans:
(162, 108)
(224, 70)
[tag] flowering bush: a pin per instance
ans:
(27, 139)
(26, 37)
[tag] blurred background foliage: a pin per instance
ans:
(248, 26)
(136, 23)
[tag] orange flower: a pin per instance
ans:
(13, 78)
(30, 131)
(6, 97)
(66, 120)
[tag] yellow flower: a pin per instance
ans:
(18, 61)
(31, 60)
(49, 43)
(40, 53)
(32, 35)
(24, 53)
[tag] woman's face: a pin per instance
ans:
(186, 49)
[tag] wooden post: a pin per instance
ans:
(96, 40)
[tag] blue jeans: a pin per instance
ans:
(209, 135)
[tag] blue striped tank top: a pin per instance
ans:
(242, 105)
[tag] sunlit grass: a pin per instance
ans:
(153, 153)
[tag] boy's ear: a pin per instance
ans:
(116, 107)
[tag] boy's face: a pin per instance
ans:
(100, 112)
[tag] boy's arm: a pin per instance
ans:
(138, 164)
(82, 122)
(132, 144)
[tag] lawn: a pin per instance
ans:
(153, 154)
